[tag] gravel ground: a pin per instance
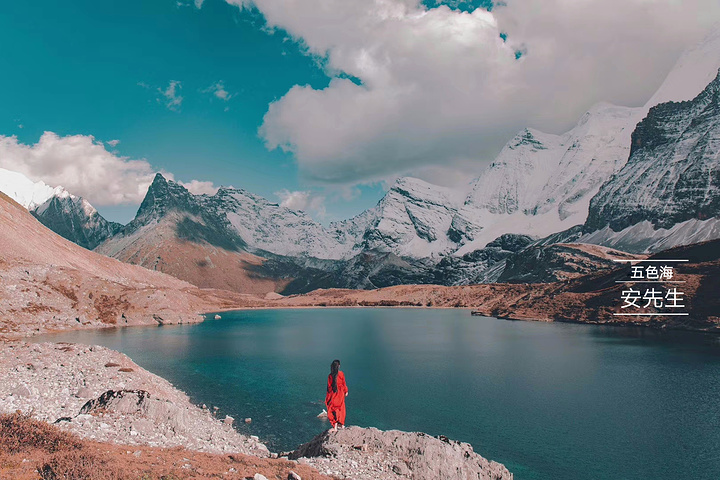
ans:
(55, 381)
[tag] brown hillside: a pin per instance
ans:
(158, 247)
(47, 283)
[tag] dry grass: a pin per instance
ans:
(34, 450)
(80, 465)
(19, 433)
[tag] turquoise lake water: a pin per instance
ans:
(551, 401)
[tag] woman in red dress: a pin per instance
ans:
(335, 397)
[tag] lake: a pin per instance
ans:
(551, 401)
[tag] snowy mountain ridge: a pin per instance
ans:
(72, 217)
(24, 191)
(672, 176)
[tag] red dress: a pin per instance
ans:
(335, 401)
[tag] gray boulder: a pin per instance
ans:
(371, 453)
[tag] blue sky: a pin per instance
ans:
(317, 103)
(79, 68)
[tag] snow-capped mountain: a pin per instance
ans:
(695, 69)
(411, 220)
(75, 219)
(24, 191)
(67, 215)
(539, 185)
(266, 226)
(542, 183)
(671, 178)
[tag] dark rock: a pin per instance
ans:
(673, 173)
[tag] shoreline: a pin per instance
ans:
(32, 338)
(652, 326)
(102, 395)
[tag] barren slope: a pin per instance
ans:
(159, 247)
(47, 283)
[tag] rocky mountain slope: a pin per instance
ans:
(75, 219)
(67, 215)
(201, 239)
(542, 183)
(412, 220)
(49, 283)
(671, 180)
(193, 237)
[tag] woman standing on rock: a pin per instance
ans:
(335, 397)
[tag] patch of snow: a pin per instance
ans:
(642, 237)
(24, 191)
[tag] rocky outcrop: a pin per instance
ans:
(100, 394)
(371, 454)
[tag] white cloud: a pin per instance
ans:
(171, 95)
(198, 187)
(306, 201)
(84, 167)
(183, 3)
(218, 89)
(440, 87)
(113, 143)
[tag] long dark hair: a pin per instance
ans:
(334, 369)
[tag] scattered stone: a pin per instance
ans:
(248, 420)
(258, 476)
(83, 392)
(217, 317)
(401, 469)
(111, 364)
(228, 420)
(136, 407)
(293, 476)
(126, 370)
(20, 391)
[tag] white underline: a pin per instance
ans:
(649, 281)
(648, 314)
(641, 260)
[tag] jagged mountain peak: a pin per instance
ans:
(669, 189)
(530, 138)
(162, 197)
